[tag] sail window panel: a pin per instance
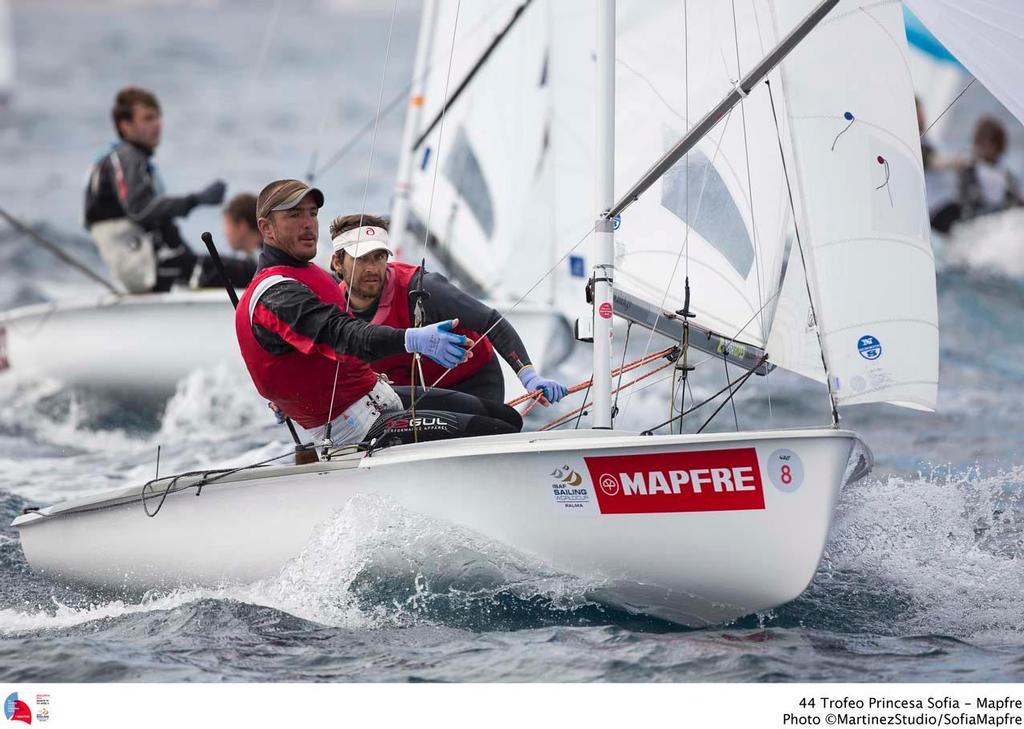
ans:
(463, 170)
(649, 264)
(695, 192)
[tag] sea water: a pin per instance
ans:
(921, 578)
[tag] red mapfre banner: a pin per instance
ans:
(721, 480)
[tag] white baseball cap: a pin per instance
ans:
(360, 241)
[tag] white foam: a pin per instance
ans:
(369, 540)
(949, 542)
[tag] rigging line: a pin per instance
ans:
(583, 408)
(969, 85)
(439, 118)
(356, 138)
(685, 247)
(369, 165)
(686, 111)
(59, 252)
(803, 260)
(257, 69)
(735, 417)
(750, 187)
(529, 291)
(393, 104)
(579, 412)
(702, 403)
(437, 164)
(440, 135)
(622, 369)
(205, 478)
(742, 381)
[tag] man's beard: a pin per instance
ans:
(366, 293)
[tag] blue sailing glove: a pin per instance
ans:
(532, 381)
(437, 342)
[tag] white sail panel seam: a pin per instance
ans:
(883, 388)
(870, 322)
(929, 253)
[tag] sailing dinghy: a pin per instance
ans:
(695, 528)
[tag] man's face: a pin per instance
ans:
(144, 127)
(294, 231)
(987, 150)
(365, 274)
(239, 235)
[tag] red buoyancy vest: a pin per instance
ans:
(302, 384)
(393, 311)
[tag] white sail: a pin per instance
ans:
(859, 190)
(987, 37)
(729, 191)
(478, 177)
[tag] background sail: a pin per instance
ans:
(483, 181)
(861, 210)
(987, 37)
(720, 213)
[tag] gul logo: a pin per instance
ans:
(568, 488)
(371, 231)
(16, 710)
(869, 347)
(431, 422)
(720, 480)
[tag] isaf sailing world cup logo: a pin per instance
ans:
(568, 488)
(17, 710)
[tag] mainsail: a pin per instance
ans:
(799, 220)
(858, 294)
(481, 178)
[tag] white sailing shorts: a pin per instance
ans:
(353, 424)
(128, 252)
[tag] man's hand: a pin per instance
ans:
(212, 194)
(439, 343)
(532, 381)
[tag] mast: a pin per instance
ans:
(604, 249)
(403, 182)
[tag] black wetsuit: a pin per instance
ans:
(130, 187)
(446, 301)
(295, 306)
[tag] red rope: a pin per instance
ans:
(569, 416)
(580, 386)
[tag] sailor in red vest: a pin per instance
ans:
(304, 351)
(384, 292)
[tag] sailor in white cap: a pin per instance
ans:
(401, 295)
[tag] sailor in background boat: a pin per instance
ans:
(242, 233)
(984, 184)
(387, 292)
(126, 209)
(305, 352)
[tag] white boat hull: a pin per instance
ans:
(704, 555)
(143, 346)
